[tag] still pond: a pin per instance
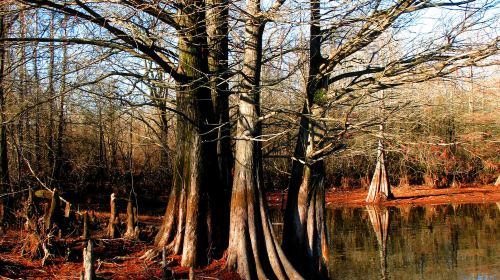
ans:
(460, 241)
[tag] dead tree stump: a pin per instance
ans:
(113, 218)
(67, 209)
(132, 229)
(85, 234)
(53, 215)
(88, 261)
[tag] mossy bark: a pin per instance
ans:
(190, 219)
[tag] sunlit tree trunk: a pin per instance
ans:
(188, 225)
(379, 187)
(305, 234)
(253, 249)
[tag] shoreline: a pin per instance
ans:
(414, 195)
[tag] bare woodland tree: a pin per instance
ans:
(253, 249)
(4, 162)
(193, 47)
(352, 31)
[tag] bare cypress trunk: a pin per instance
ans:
(253, 249)
(305, 234)
(380, 220)
(217, 30)
(379, 190)
(4, 162)
(188, 226)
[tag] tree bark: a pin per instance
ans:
(131, 232)
(379, 190)
(54, 215)
(305, 234)
(85, 233)
(51, 92)
(59, 160)
(253, 249)
(4, 162)
(218, 52)
(88, 261)
(113, 218)
(189, 225)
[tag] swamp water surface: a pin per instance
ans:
(460, 241)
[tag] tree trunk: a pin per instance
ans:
(85, 234)
(4, 162)
(218, 51)
(36, 84)
(497, 182)
(253, 249)
(380, 220)
(379, 190)
(51, 92)
(88, 261)
(54, 215)
(131, 232)
(217, 30)
(58, 164)
(305, 233)
(113, 218)
(188, 227)
(164, 159)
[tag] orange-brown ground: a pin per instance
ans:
(115, 258)
(119, 258)
(415, 195)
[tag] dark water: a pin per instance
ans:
(431, 242)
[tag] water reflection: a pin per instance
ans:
(460, 241)
(380, 219)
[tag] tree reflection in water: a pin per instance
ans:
(380, 219)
